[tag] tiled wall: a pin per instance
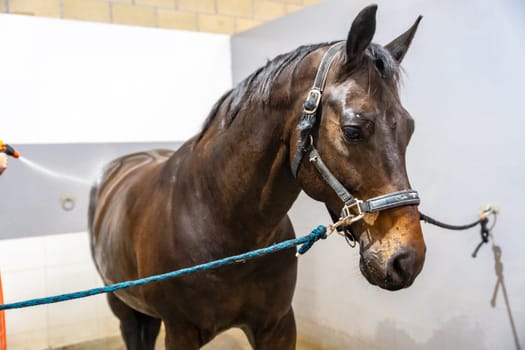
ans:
(215, 16)
(449, 305)
(50, 265)
(120, 65)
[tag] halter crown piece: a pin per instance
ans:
(354, 209)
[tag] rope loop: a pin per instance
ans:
(317, 233)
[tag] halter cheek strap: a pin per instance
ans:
(313, 100)
(384, 202)
(353, 209)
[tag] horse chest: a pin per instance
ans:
(231, 295)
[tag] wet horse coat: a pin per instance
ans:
(228, 189)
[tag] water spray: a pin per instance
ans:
(10, 151)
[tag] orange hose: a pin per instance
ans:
(3, 341)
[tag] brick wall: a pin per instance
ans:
(216, 16)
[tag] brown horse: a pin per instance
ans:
(228, 190)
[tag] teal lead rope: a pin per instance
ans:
(307, 242)
(317, 233)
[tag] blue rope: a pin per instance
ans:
(307, 242)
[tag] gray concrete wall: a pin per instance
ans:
(464, 86)
(32, 197)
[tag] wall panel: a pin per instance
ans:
(463, 86)
(73, 96)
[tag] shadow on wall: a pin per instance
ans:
(456, 333)
(500, 284)
(476, 327)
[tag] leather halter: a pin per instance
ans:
(353, 209)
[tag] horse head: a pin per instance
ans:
(361, 132)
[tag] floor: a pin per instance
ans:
(233, 339)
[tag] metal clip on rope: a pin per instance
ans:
(484, 229)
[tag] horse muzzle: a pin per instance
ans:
(392, 258)
(397, 272)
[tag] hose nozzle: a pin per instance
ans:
(9, 150)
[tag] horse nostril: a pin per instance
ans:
(401, 265)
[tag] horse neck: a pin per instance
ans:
(245, 167)
(245, 171)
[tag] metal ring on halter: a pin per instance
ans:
(348, 217)
(350, 239)
(348, 236)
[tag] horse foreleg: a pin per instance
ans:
(182, 336)
(280, 335)
(138, 330)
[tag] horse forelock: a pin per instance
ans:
(383, 62)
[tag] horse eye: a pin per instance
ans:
(353, 133)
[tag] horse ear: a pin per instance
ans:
(361, 33)
(399, 46)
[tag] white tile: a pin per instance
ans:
(25, 320)
(73, 311)
(71, 278)
(18, 285)
(22, 285)
(31, 340)
(21, 254)
(69, 248)
(73, 333)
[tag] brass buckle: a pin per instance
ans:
(314, 94)
(348, 217)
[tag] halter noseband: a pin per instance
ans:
(353, 209)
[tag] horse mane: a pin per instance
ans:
(258, 85)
